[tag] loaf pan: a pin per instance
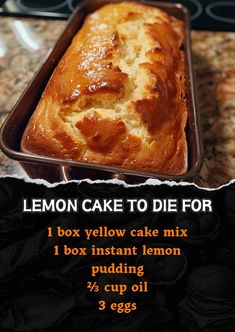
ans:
(55, 169)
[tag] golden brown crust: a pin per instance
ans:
(117, 97)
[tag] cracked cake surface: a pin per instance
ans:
(118, 95)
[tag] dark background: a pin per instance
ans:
(40, 291)
(205, 14)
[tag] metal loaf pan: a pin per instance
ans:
(54, 169)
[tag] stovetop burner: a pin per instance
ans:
(72, 4)
(195, 9)
(223, 11)
(43, 5)
(211, 14)
(205, 14)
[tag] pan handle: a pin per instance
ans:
(66, 177)
(64, 174)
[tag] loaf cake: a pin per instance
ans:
(118, 95)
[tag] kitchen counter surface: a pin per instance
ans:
(25, 43)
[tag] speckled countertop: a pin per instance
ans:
(21, 54)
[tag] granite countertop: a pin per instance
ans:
(25, 43)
